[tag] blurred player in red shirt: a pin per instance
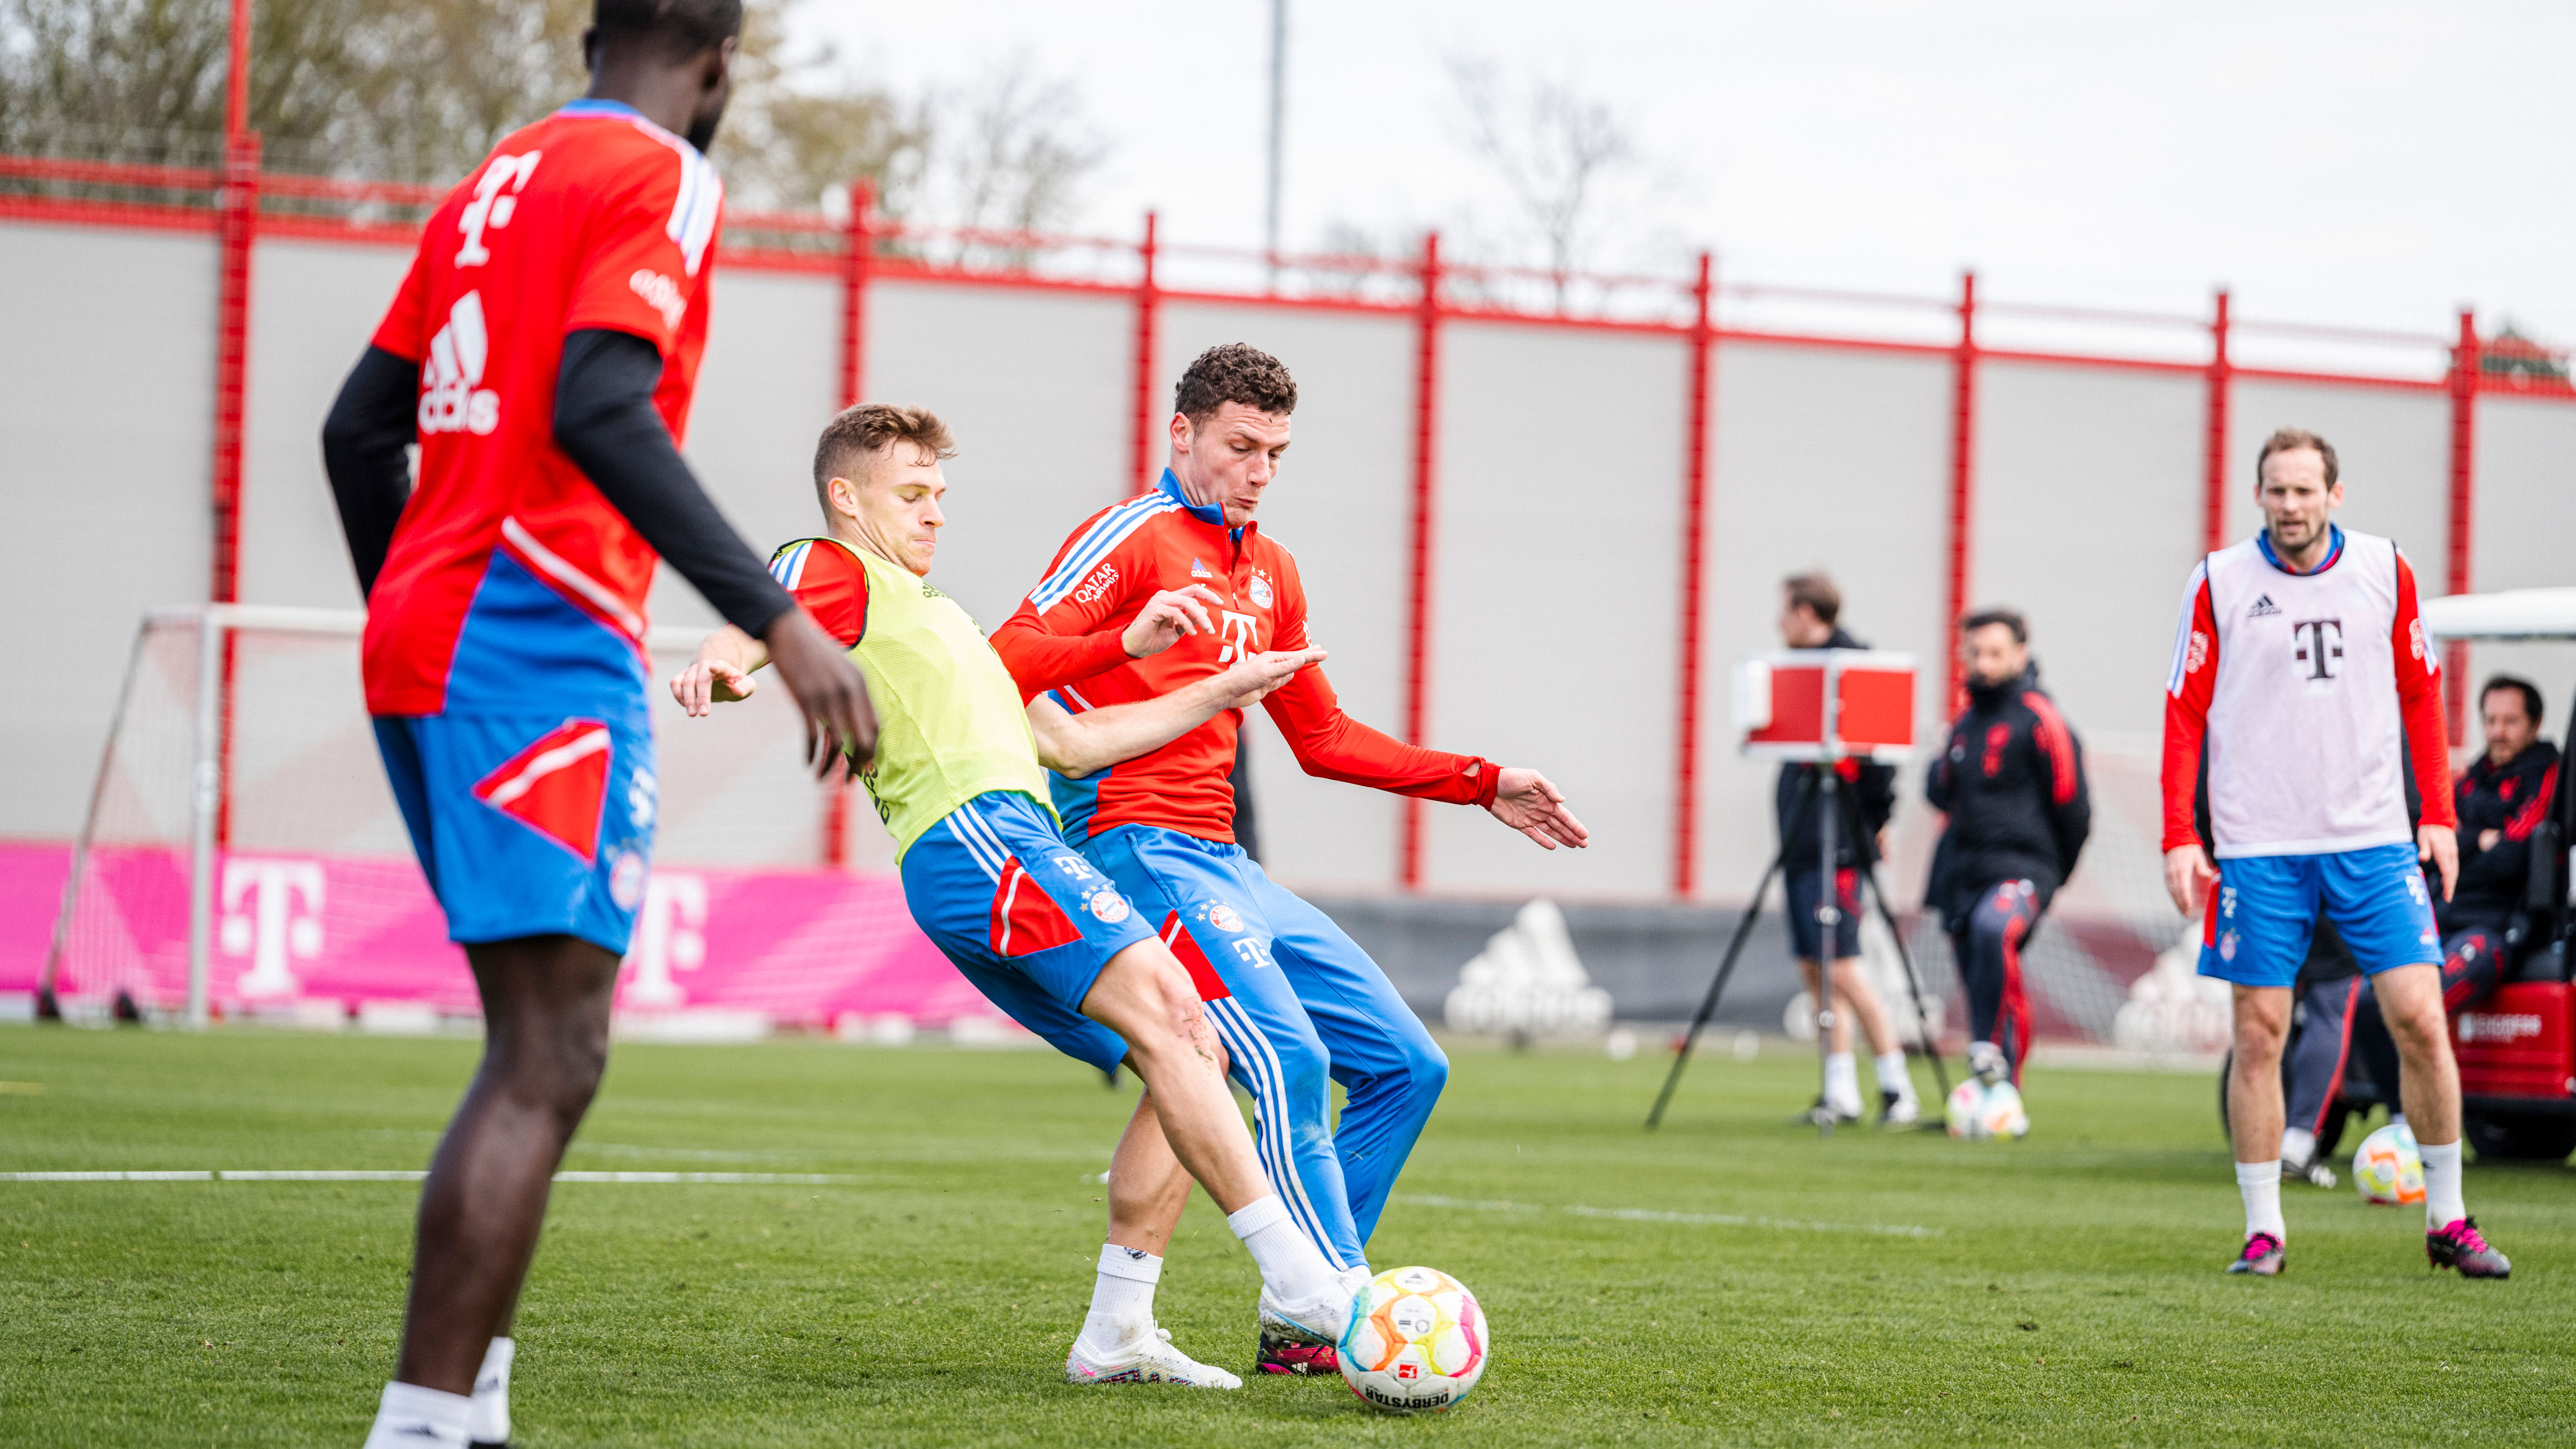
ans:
(542, 352)
(1299, 1004)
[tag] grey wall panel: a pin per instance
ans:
(1556, 605)
(2523, 536)
(2394, 450)
(1039, 390)
(107, 409)
(313, 307)
(1343, 505)
(1822, 458)
(2087, 517)
(770, 381)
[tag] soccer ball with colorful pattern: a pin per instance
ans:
(2387, 1170)
(1416, 1343)
(1976, 1111)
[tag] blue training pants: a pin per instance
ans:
(1303, 1007)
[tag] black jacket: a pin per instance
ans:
(2512, 800)
(1871, 787)
(2011, 778)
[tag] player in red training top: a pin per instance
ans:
(542, 352)
(1298, 1003)
(2300, 665)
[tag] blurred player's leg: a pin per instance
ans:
(2317, 1062)
(2254, 1120)
(1989, 951)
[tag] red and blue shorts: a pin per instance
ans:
(533, 824)
(1023, 916)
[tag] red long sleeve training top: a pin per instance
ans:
(1065, 639)
(2299, 684)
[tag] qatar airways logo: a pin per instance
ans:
(659, 293)
(1101, 581)
(2320, 646)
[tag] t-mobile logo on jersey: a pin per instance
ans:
(272, 910)
(496, 195)
(1238, 636)
(452, 397)
(2320, 645)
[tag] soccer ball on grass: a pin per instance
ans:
(2387, 1170)
(1416, 1343)
(1976, 1111)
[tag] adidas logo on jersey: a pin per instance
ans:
(1199, 570)
(2263, 608)
(452, 399)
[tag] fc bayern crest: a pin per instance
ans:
(1222, 916)
(1260, 591)
(1108, 905)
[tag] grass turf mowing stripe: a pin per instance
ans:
(1650, 1215)
(790, 1179)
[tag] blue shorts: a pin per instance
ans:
(1023, 916)
(528, 824)
(1805, 898)
(2267, 908)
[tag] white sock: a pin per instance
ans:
(2298, 1144)
(1985, 1056)
(412, 1417)
(1122, 1299)
(1289, 1261)
(2442, 1204)
(491, 1420)
(1842, 1083)
(1892, 1075)
(2259, 1183)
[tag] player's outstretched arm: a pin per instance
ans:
(1528, 803)
(721, 673)
(605, 422)
(1076, 745)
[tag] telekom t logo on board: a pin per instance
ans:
(670, 935)
(271, 911)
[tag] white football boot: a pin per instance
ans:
(1319, 1320)
(1148, 1358)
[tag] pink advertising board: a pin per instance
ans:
(801, 947)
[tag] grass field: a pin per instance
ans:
(1902, 1289)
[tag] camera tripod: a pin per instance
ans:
(1837, 808)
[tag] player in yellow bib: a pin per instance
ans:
(958, 778)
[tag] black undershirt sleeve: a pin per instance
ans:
(604, 420)
(370, 425)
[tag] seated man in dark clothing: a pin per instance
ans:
(2011, 780)
(2330, 986)
(2502, 797)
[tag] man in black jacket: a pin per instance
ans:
(1866, 791)
(2012, 782)
(2502, 797)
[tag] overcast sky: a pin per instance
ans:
(2362, 163)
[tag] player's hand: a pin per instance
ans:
(1167, 616)
(707, 683)
(1525, 801)
(2440, 844)
(2487, 840)
(2188, 876)
(1254, 676)
(840, 723)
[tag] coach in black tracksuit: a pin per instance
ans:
(2011, 780)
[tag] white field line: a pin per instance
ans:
(1648, 1215)
(793, 1179)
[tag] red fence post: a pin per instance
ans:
(1417, 680)
(2465, 367)
(1694, 540)
(1148, 299)
(2213, 484)
(1963, 475)
(858, 258)
(238, 223)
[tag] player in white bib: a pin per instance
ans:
(2301, 665)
